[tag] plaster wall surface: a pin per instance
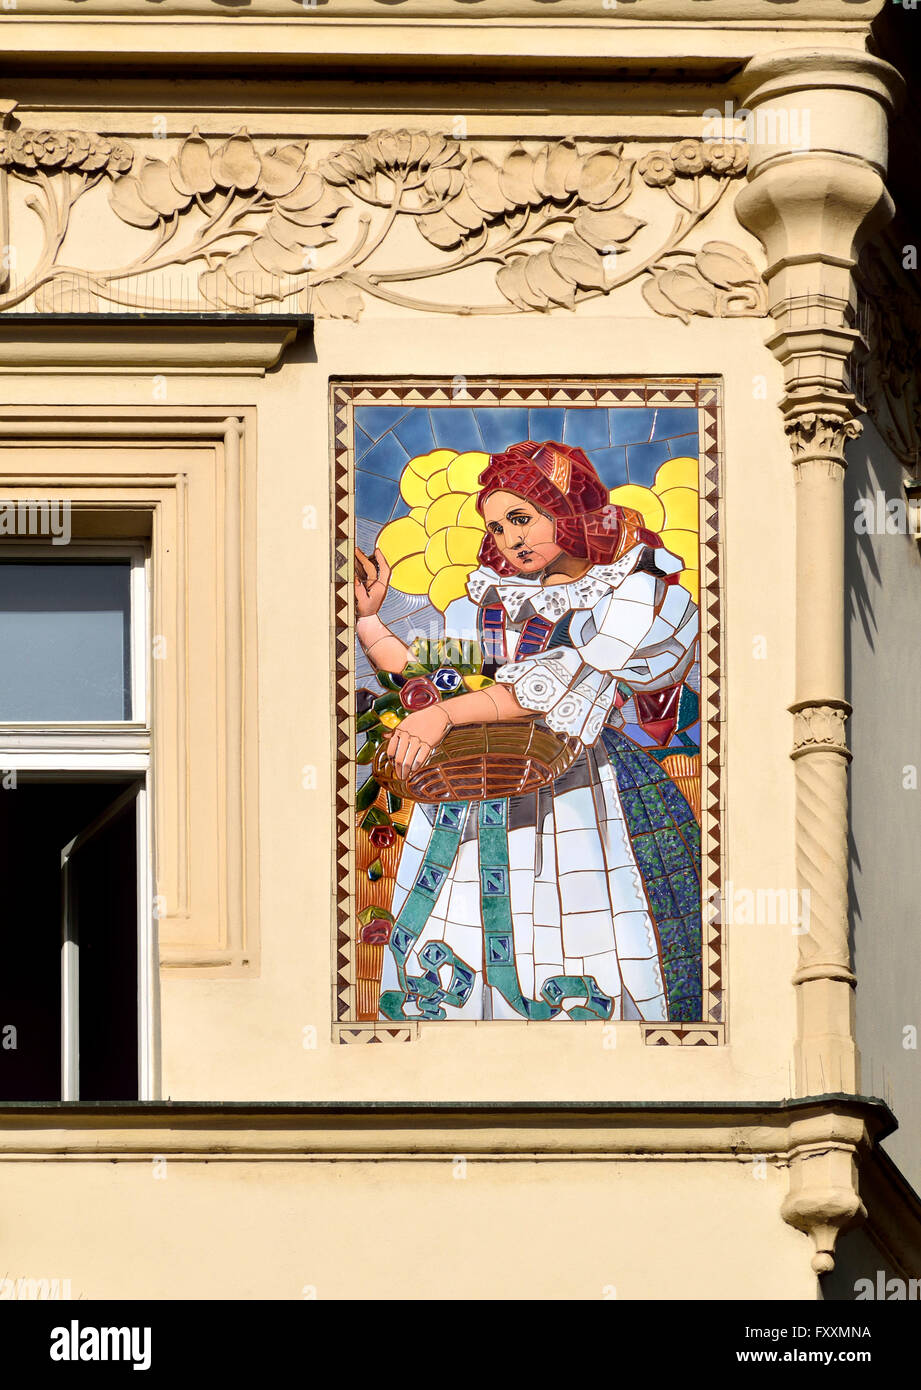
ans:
(883, 569)
(403, 1230)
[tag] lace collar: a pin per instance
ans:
(553, 600)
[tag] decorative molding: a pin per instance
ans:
(721, 1131)
(264, 228)
(251, 342)
(199, 483)
(75, 152)
(829, 1143)
(819, 435)
(520, 11)
(820, 727)
(824, 1198)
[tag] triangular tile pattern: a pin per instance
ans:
(373, 1034)
(711, 643)
(571, 395)
(707, 398)
(683, 1035)
(345, 972)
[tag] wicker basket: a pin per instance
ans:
(475, 762)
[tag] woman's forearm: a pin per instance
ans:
(486, 706)
(383, 649)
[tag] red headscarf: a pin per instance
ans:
(560, 480)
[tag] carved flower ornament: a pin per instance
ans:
(267, 227)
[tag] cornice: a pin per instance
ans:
(550, 37)
(154, 342)
(549, 1129)
(824, 1142)
(488, 11)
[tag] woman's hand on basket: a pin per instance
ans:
(416, 738)
(371, 579)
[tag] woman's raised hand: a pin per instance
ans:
(371, 579)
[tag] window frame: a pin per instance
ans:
(94, 749)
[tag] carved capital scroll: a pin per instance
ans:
(820, 435)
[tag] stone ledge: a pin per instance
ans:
(324, 12)
(505, 1129)
(152, 342)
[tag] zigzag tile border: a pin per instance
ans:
(372, 1033)
(682, 1035)
(706, 395)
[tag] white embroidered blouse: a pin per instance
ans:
(627, 625)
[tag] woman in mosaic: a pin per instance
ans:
(579, 899)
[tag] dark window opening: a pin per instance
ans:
(38, 819)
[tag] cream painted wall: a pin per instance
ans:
(267, 1227)
(403, 1230)
(243, 1038)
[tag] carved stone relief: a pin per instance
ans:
(552, 225)
(822, 433)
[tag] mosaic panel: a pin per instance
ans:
(527, 636)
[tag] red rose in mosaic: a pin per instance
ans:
(419, 693)
(383, 836)
(376, 933)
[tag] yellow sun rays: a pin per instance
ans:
(434, 550)
(671, 508)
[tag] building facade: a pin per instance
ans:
(612, 944)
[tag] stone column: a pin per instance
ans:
(818, 126)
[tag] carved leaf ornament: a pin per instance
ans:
(257, 224)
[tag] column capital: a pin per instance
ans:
(818, 727)
(818, 427)
(817, 123)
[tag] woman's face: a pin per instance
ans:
(525, 536)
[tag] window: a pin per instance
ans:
(65, 634)
(77, 989)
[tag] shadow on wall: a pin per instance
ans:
(883, 683)
(862, 1272)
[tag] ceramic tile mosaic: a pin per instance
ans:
(528, 655)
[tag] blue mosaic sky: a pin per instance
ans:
(626, 444)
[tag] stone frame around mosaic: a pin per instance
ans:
(706, 394)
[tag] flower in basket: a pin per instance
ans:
(376, 932)
(438, 669)
(382, 836)
(447, 679)
(418, 693)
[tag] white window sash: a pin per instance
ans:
(94, 750)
